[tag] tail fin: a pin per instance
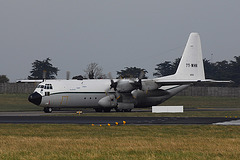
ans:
(190, 68)
(191, 63)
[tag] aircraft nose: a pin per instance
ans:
(35, 98)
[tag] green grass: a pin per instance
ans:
(16, 102)
(42, 141)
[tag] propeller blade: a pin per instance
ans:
(113, 84)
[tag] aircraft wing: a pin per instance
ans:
(29, 81)
(182, 82)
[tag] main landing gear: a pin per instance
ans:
(103, 109)
(109, 109)
(47, 109)
(123, 110)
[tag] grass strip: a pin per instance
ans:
(41, 141)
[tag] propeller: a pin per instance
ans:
(114, 86)
(125, 85)
(138, 84)
(138, 87)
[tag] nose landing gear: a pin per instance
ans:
(47, 109)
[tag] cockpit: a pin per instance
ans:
(46, 86)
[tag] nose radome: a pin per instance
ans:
(35, 98)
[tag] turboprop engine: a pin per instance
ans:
(108, 101)
(147, 85)
(124, 86)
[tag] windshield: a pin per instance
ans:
(46, 86)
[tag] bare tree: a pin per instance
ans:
(94, 71)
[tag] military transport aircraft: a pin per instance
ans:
(123, 94)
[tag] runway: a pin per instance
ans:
(38, 118)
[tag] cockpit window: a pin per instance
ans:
(48, 86)
(40, 86)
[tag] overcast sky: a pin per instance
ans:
(113, 33)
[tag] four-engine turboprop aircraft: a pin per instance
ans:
(124, 94)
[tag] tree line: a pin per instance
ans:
(222, 70)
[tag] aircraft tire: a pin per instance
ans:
(47, 110)
(126, 110)
(119, 110)
(98, 109)
(107, 109)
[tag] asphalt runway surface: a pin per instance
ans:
(38, 117)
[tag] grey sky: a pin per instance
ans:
(114, 34)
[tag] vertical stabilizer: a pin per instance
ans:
(191, 63)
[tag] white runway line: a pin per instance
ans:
(234, 122)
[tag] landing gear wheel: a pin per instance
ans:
(47, 110)
(119, 110)
(107, 109)
(98, 109)
(127, 110)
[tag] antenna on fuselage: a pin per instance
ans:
(67, 75)
(44, 75)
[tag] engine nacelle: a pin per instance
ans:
(124, 86)
(149, 85)
(108, 101)
(138, 93)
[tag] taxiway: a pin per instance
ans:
(40, 117)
